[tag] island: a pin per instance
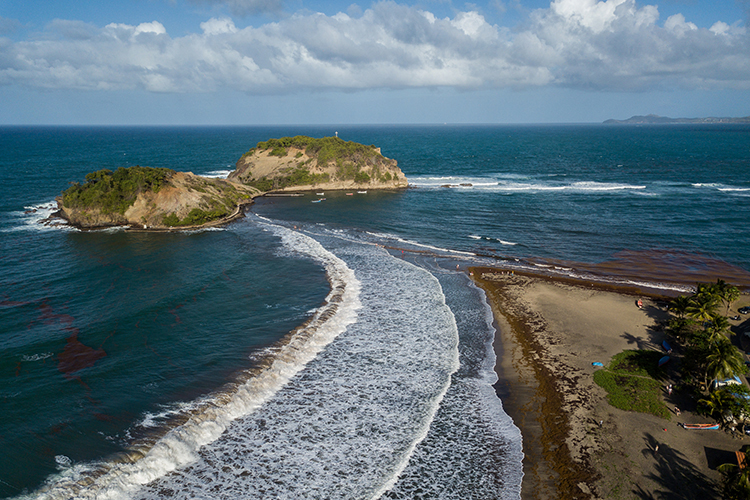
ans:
(147, 198)
(664, 120)
(329, 163)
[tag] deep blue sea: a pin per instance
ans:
(329, 350)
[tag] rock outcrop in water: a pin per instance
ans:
(160, 198)
(303, 163)
(148, 198)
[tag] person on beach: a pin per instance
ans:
(639, 304)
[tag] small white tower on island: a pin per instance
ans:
(337, 134)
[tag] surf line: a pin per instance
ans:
(430, 417)
(179, 446)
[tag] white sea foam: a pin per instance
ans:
(181, 445)
(37, 218)
(721, 187)
(472, 441)
(347, 425)
(489, 238)
(62, 462)
(515, 183)
(412, 243)
(218, 174)
(37, 357)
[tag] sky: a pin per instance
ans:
(275, 62)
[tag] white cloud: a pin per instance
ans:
(152, 27)
(608, 45)
(217, 26)
(677, 24)
(592, 14)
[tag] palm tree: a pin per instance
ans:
(716, 403)
(727, 293)
(723, 360)
(718, 327)
(680, 305)
(736, 482)
(706, 289)
(702, 306)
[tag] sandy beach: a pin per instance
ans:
(576, 445)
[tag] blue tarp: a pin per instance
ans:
(596, 363)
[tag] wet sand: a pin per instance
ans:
(576, 445)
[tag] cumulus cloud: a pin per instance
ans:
(588, 44)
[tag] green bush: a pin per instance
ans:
(115, 192)
(326, 148)
(195, 217)
(632, 382)
(171, 220)
(361, 177)
(298, 177)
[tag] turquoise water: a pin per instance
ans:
(147, 363)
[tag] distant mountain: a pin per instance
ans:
(656, 119)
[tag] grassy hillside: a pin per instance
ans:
(115, 192)
(341, 160)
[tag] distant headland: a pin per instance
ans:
(658, 120)
(148, 198)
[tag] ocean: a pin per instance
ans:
(333, 350)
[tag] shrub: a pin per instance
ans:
(115, 192)
(361, 177)
(326, 148)
(171, 220)
(195, 217)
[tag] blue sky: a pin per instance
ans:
(227, 62)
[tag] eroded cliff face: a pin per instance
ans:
(184, 193)
(298, 169)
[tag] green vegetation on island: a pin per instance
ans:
(195, 217)
(148, 197)
(114, 192)
(212, 207)
(351, 161)
(325, 149)
(300, 176)
(161, 198)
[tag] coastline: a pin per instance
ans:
(550, 330)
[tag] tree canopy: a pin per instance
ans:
(115, 192)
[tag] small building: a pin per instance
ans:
(718, 384)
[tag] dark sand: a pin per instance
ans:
(550, 332)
